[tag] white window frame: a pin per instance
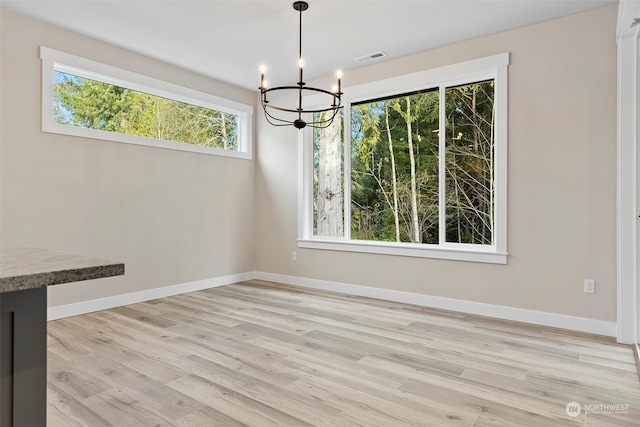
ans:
(53, 60)
(493, 67)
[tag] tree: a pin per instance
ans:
(92, 104)
(395, 167)
(414, 232)
(329, 190)
(469, 163)
(394, 180)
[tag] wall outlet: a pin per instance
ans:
(295, 255)
(589, 286)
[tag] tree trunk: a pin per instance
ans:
(330, 192)
(158, 120)
(394, 182)
(414, 194)
(223, 119)
(478, 171)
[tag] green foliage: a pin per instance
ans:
(371, 177)
(381, 200)
(92, 104)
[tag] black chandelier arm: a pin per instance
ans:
(273, 119)
(335, 106)
(323, 124)
(304, 87)
(296, 111)
(320, 124)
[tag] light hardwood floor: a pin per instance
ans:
(265, 354)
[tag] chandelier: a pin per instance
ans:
(276, 114)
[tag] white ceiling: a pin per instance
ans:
(229, 40)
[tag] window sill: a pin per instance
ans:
(488, 255)
(52, 127)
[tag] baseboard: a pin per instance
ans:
(68, 310)
(636, 353)
(581, 324)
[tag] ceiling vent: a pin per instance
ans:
(371, 57)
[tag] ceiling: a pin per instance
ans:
(229, 40)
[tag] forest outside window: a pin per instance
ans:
(93, 100)
(415, 173)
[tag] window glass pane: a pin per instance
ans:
(394, 169)
(87, 103)
(328, 177)
(470, 163)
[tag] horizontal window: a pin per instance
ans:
(86, 98)
(419, 172)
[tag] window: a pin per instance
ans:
(86, 98)
(413, 166)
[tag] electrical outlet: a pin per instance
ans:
(589, 286)
(293, 256)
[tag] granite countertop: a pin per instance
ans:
(27, 268)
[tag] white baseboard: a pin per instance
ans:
(501, 312)
(68, 310)
(636, 354)
(581, 324)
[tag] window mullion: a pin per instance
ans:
(442, 185)
(305, 206)
(347, 171)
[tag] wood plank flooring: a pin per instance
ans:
(266, 354)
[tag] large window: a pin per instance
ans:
(417, 172)
(85, 98)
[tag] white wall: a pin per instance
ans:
(562, 180)
(172, 217)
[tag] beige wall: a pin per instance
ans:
(173, 217)
(562, 180)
